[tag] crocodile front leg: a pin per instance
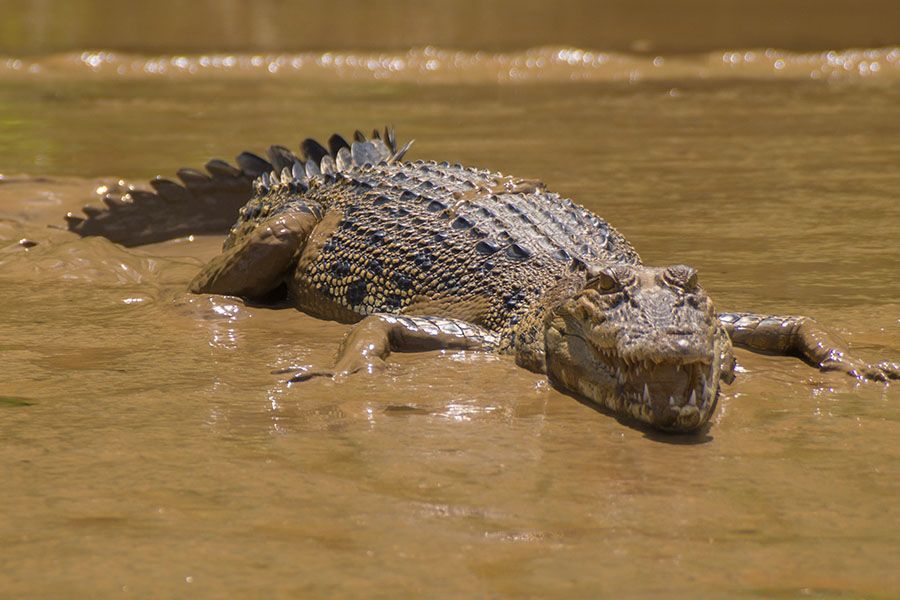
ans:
(256, 264)
(372, 340)
(803, 337)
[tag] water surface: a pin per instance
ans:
(148, 449)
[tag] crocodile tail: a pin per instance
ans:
(209, 203)
(201, 203)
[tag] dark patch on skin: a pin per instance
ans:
(402, 281)
(356, 292)
(450, 283)
(423, 260)
(393, 302)
(340, 268)
(513, 300)
(375, 267)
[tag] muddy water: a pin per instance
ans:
(148, 449)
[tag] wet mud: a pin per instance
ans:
(147, 447)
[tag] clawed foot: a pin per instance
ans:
(883, 371)
(304, 373)
(337, 373)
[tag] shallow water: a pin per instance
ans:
(147, 448)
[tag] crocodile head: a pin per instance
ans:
(645, 343)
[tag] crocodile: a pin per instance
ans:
(429, 255)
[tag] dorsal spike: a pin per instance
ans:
(312, 150)
(327, 165)
(399, 154)
(363, 153)
(335, 143)
(312, 169)
(252, 165)
(376, 135)
(359, 136)
(281, 157)
(380, 150)
(343, 161)
(298, 171)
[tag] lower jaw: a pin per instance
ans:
(683, 418)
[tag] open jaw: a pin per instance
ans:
(670, 393)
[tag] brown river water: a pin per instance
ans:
(149, 451)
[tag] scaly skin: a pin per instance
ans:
(427, 255)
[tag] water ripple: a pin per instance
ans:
(434, 65)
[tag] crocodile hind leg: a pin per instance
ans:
(372, 340)
(258, 262)
(803, 337)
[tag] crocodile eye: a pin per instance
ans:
(681, 276)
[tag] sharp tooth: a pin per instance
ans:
(678, 368)
(646, 396)
(693, 399)
(672, 401)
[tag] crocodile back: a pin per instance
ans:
(442, 239)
